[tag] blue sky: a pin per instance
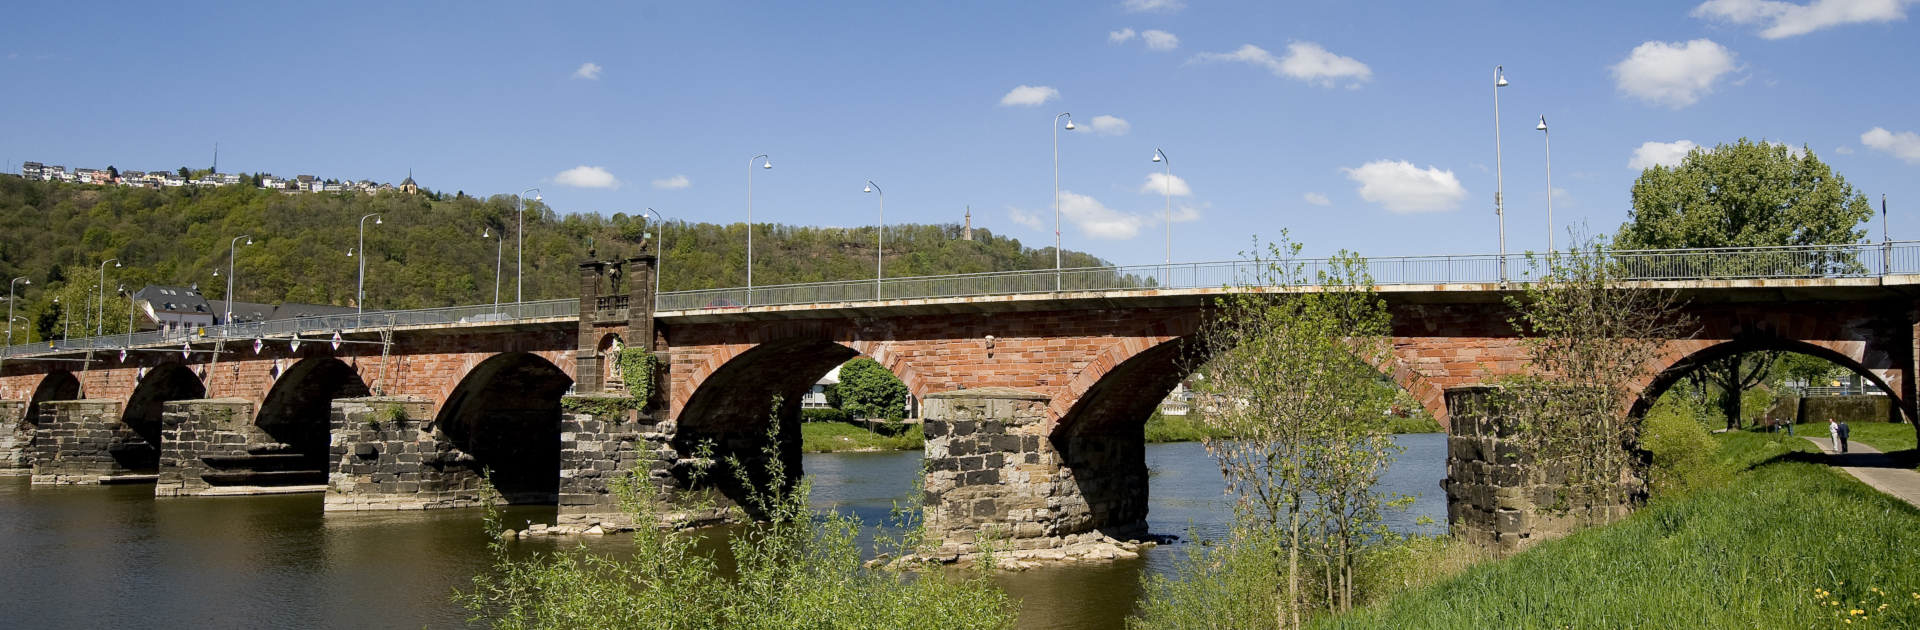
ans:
(1363, 126)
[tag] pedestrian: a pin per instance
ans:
(1833, 433)
(1845, 432)
(1789, 422)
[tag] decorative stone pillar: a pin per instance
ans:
(587, 378)
(84, 442)
(993, 472)
(16, 439)
(1501, 497)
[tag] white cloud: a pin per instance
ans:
(1106, 126)
(1096, 219)
(1142, 6)
(672, 183)
(1120, 35)
(1025, 218)
(1399, 186)
(1666, 154)
(586, 177)
(1160, 40)
(1317, 199)
(1785, 19)
(1182, 214)
(1157, 183)
(1904, 145)
(1305, 61)
(1843, 150)
(589, 71)
(1674, 75)
(1030, 95)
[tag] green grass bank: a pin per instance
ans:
(829, 437)
(1787, 542)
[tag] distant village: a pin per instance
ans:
(163, 179)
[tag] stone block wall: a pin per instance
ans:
(16, 439)
(84, 442)
(1502, 498)
(596, 450)
(213, 447)
(993, 471)
(387, 455)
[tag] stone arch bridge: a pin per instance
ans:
(1035, 401)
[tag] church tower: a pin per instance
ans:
(968, 234)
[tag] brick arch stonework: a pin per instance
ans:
(840, 333)
(1861, 344)
(1174, 329)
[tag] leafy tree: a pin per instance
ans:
(184, 172)
(1302, 445)
(870, 391)
(1745, 194)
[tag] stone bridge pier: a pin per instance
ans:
(994, 473)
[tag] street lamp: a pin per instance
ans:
(1499, 81)
(1548, 138)
(231, 247)
(130, 309)
(1056, 196)
(660, 258)
(10, 298)
(499, 246)
(360, 297)
(764, 165)
(103, 295)
(1161, 156)
(520, 243)
(880, 261)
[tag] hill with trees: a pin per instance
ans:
(426, 252)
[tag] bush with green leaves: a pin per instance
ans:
(868, 390)
(798, 570)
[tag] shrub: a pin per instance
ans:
(1685, 455)
(823, 415)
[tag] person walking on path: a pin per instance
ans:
(1845, 431)
(1833, 434)
(1789, 422)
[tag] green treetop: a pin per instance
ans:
(1746, 194)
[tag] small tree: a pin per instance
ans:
(1298, 401)
(869, 390)
(1591, 339)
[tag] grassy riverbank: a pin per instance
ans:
(828, 437)
(1787, 543)
(1885, 436)
(1165, 428)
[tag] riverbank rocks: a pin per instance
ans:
(1095, 550)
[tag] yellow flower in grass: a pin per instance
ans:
(1857, 611)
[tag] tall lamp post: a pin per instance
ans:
(520, 244)
(1548, 138)
(1056, 197)
(880, 261)
(360, 296)
(764, 165)
(499, 246)
(661, 257)
(10, 298)
(1499, 81)
(232, 246)
(103, 296)
(1161, 156)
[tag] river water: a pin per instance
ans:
(115, 557)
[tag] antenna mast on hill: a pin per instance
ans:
(216, 157)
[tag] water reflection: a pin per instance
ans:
(113, 556)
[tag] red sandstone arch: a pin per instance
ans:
(788, 332)
(1840, 340)
(505, 413)
(444, 387)
(54, 385)
(298, 407)
(1138, 364)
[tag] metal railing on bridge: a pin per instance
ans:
(1791, 262)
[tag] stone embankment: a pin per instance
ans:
(542, 529)
(1092, 549)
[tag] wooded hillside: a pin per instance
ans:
(427, 252)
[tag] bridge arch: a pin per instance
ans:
(137, 440)
(505, 413)
(297, 409)
(1691, 356)
(55, 385)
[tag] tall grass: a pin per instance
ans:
(1786, 543)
